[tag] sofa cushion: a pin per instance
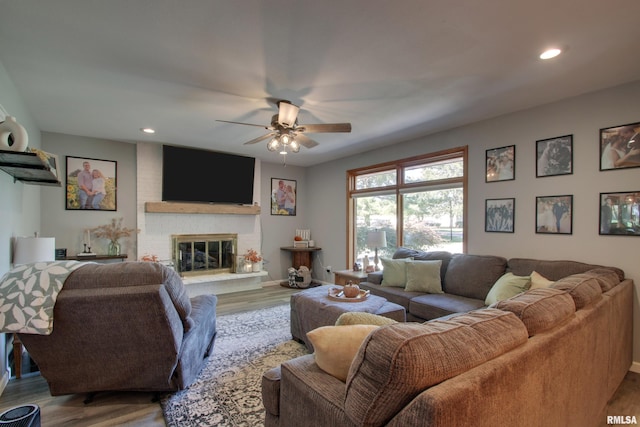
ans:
(336, 346)
(606, 278)
(424, 276)
(554, 269)
(432, 306)
(386, 374)
(473, 276)
(539, 281)
(583, 288)
(506, 286)
(443, 256)
(394, 272)
(539, 309)
(360, 318)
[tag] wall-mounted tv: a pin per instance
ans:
(193, 175)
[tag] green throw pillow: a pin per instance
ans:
(424, 276)
(507, 286)
(394, 272)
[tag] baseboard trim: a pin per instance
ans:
(635, 367)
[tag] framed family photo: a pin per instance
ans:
(91, 184)
(501, 164)
(554, 214)
(499, 215)
(620, 147)
(283, 196)
(554, 156)
(620, 213)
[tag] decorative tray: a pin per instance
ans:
(337, 294)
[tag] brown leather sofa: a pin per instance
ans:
(124, 326)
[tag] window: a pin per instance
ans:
(418, 202)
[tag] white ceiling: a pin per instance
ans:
(394, 69)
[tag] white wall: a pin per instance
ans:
(19, 203)
(581, 116)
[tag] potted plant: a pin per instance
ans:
(113, 232)
(252, 257)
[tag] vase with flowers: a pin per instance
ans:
(253, 259)
(113, 232)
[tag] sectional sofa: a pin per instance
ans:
(550, 356)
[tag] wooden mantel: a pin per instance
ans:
(200, 208)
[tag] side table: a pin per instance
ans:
(343, 276)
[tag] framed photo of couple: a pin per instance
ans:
(91, 184)
(283, 197)
(554, 156)
(620, 147)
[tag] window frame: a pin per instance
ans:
(401, 187)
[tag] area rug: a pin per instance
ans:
(228, 390)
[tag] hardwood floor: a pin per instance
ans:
(137, 409)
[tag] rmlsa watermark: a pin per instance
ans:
(621, 419)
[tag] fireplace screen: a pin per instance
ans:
(204, 253)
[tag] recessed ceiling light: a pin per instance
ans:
(148, 130)
(550, 53)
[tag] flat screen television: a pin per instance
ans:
(204, 176)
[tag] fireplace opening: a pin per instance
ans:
(195, 254)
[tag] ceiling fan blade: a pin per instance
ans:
(260, 138)
(305, 140)
(325, 127)
(287, 113)
(246, 124)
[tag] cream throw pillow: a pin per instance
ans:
(507, 286)
(424, 276)
(538, 281)
(394, 273)
(335, 347)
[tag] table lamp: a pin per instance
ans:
(376, 239)
(34, 249)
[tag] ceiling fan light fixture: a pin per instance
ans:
(273, 144)
(295, 147)
(288, 113)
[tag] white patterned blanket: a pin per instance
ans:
(28, 294)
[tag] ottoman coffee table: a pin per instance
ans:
(312, 308)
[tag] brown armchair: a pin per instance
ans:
(125, 326)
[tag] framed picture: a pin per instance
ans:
(554, 214)
(554, 156)
(620, 147)
(91, 184)
(499, 215)
(283, 196)
(620, 213)
(501, 164)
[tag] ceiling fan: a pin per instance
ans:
(287, 134)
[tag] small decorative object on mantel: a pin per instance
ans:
(254, 260)
(113, 231)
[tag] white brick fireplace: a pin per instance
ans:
(156, 229)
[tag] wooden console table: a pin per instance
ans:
(301, 256)
(98, 258)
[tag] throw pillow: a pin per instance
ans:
(394, 272)
(335, 347)
(507, 286)
(360, 318)
(424, 276)
(538, 281)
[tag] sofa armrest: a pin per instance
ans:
(375, 277)
(271, 391)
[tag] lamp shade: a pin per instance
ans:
(377, 239)
(34, 249)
